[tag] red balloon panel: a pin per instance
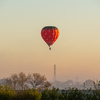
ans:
(50, 34)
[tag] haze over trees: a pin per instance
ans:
(38, 81)
(21, 81)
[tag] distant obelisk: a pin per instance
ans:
(54, 72)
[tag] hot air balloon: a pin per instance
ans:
(50, 35)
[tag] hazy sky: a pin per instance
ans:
(76, 53)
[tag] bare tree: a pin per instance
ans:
(22, 79)
(17, 81)
(13, 80)
(46, 85)
(38, 81)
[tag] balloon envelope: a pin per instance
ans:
(50, 34)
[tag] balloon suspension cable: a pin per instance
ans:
(49, 48)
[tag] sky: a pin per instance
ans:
(76, 53)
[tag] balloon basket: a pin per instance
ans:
(49, 48)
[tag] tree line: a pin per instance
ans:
(37, 82)
(8, 93)
(22, 81)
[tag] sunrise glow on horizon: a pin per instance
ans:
(76, 52)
